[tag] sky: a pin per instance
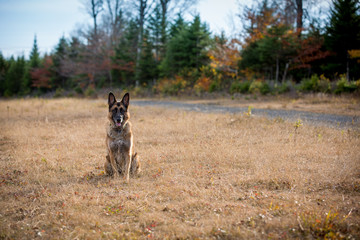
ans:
(49, 20)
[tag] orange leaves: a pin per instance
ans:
(309, 51)
(225, 57)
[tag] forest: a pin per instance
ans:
(150, 46)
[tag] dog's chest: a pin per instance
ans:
(115, 134)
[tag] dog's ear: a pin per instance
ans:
(111, 99)
(126, 100)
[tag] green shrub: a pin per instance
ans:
(240, 87)
(265, 88)
(283, 88)
(255, 87)
(90, 91)
(214, 86)
(315, 84)
(8, 93)
(59, 92)
(78, 90)
(343, 86)
(101, 82)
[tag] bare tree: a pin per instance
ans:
(299, 16)
(94, 8)
(114, 17)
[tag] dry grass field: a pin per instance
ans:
(205, 176)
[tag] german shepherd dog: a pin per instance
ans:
(120, 158)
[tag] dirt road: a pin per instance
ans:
(339, 121)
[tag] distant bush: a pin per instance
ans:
(343, 86)
(171, 86)
(90, 91)
(79, 90)
(202, 84)
(315, 84)
(259, 87)
(282, 88)
(240, 87)
(265, 88)
(59, 92)
(214, 86)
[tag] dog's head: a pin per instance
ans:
(118, 111)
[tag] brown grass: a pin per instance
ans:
(204, 176)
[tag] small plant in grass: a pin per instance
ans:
(297, 125)
(113, 210)
(330, 226)
(248, 113)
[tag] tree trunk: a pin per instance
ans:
(142, 8)
(277, 69)
(299, 16)
(347, 68)
(285, 71)
(164, 11)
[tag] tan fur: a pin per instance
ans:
(120, 158)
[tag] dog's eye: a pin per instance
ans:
(122, 110)
(114, 110)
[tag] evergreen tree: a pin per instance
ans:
(155, 33)
(178, 26)
(148, 66)
(3, 70)
(125, 56)
(199, 38)
(14, 76)
(61, 52)
(34, 63)
(342, 35)
(187, 48)
(35, 60)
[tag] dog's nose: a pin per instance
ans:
(118, 120)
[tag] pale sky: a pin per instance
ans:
(20, 20)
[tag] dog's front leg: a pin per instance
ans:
(113, 164)
(127, 167)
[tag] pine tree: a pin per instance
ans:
(187, 48)
(148, 67)
(34, 63)
(155, 33)
(342, 35)
(14, 76)
(61, 52)
(3, 70)
(199, 39)
(125, 56)
(35, 55)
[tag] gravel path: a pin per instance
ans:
(339, 121)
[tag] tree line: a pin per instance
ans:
(148, 44)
